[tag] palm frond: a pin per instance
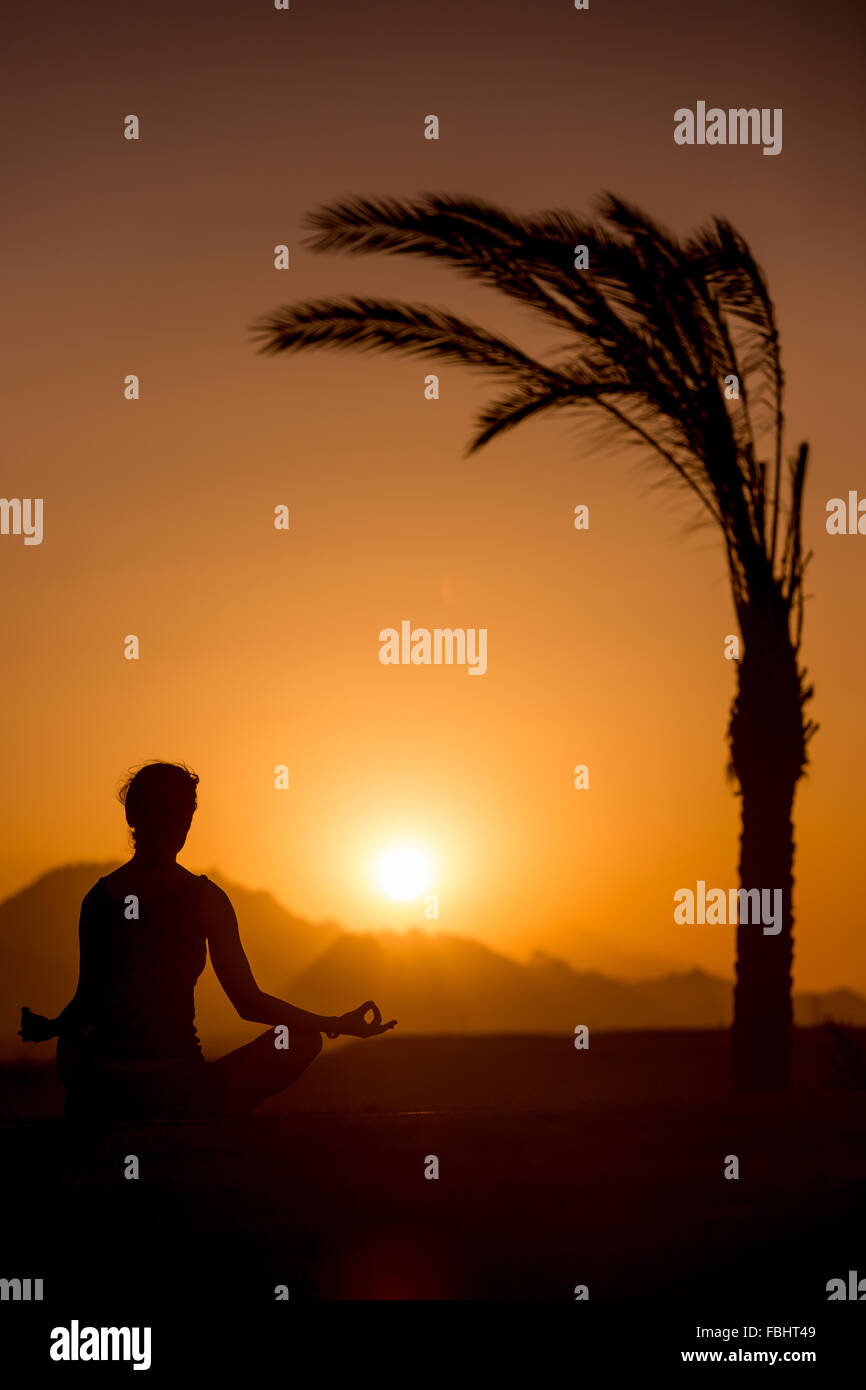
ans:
(390, 325)
(516, 406)
(722, 257)
(654, 326)
(478, 239)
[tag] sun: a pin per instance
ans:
(404, 873)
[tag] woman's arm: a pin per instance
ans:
(75, 1017)
(234, 974)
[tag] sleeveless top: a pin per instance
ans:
(137, 978)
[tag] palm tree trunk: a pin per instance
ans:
(761, 1039)
(768, 755)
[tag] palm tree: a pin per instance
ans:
(654, 325)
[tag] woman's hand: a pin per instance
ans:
(356, 1025)
(35, 1028)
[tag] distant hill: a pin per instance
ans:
(431, 983)
(449, 984)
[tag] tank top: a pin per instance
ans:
(138, 977)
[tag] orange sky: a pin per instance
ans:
(261, 647)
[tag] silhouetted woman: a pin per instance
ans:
(127, 1044)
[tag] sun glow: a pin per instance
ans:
(404, 873)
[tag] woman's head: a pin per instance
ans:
(160, 799)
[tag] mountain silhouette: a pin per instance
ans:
(431, 982)
(450, 984)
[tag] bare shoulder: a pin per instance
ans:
(217, 904)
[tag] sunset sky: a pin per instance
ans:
(260, 647)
